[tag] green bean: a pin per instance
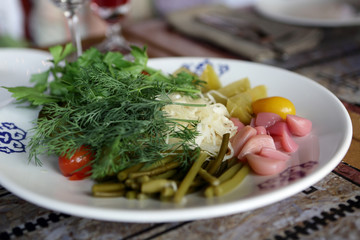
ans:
(208, 177)
(214, 165)
(131, 194)
(107, 187)
(230, 172)
(156, 185)
(232, 183)
(165, 175)
(197, 182)
(189, 178)
(167, 192)
(209, 191)
(232, 161)
(143, 179)
(222, 168)
(131, 183)
(155, 171)
(109, 194)
(157, 164)
(122, 175)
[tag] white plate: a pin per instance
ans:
(323, 13)
(46, 187)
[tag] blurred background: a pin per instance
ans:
(328, 53)
(40, 23)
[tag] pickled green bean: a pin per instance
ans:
(208, 177)
(189, 178)
(107, 187)
(214, 165)
(165, 175)
(156, 185)
(131, 183)
(157, 164)
(155, 171)
(109, 194)
(122, 175)
(230, 172)
(131, 194)
(143, 179)
(167, 192)
(209, 191)
(223, 166)
(232, 183)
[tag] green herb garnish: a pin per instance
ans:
(106, 102)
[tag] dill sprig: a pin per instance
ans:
(107, 103)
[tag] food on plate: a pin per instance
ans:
(140, 133)
(78, 165)
(279, 105)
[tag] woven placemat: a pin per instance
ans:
(353, 155)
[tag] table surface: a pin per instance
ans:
(330, 209)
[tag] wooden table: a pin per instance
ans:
(330, 209)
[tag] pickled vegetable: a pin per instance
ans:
(258, 92)
(279, 105)
(211, 78)
(298, 126)
(236, 87)
(239, 106)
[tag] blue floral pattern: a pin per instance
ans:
(291, 174)
(11, 138)
(198, 68)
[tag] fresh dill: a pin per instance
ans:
(108, 103)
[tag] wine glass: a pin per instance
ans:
(70, 9)
(112, 12)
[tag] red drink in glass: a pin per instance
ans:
(111, 10)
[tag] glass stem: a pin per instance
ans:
(114, 33)
(75, 34)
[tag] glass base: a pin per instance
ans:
(115, 44)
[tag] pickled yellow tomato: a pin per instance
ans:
(279, 105)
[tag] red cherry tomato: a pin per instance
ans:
(145, 73)
(81, 159)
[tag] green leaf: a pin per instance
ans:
(59, 53)
(32, 95)
(69, 49)
(21, 92)
(56, 53)
(140, 55)
(113, 57)
(58, 89)
(41, 99)
(88, 57)
(116, 59)
(40, 80)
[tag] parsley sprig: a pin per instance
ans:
(106, 102)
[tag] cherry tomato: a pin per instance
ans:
(279, 105)
(81, 159)
(145, 73)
